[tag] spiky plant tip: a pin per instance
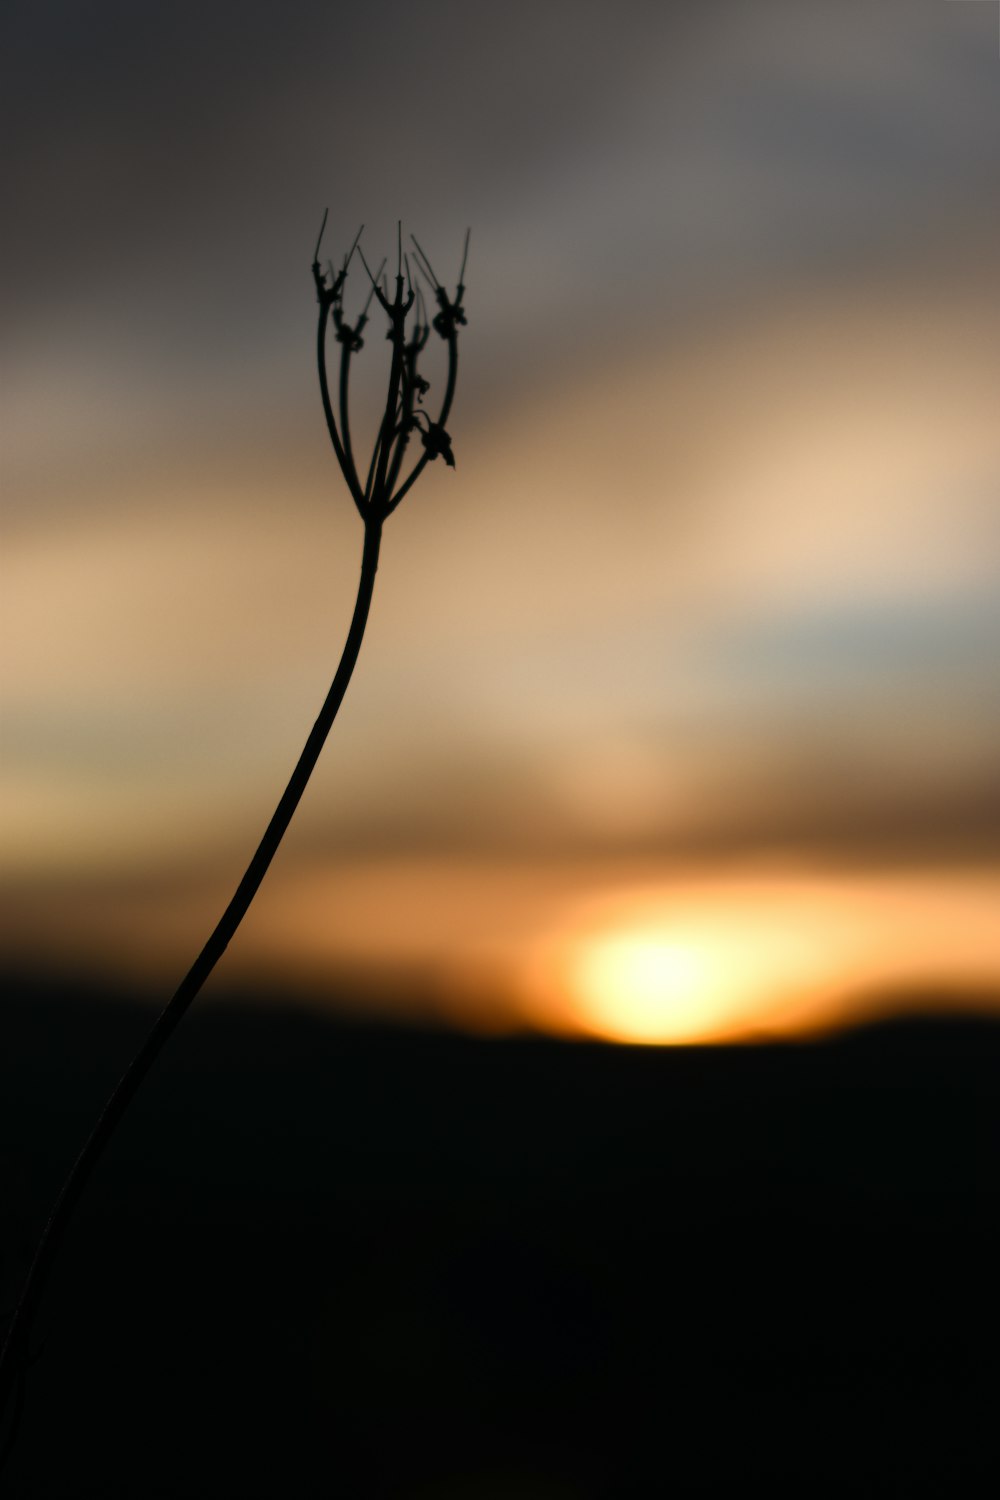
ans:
(408, 330)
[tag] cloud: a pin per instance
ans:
(750, 576)
(715, 570)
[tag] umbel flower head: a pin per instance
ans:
(409, 327)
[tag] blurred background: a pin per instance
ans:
(678, 715)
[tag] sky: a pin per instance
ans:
(678, 714)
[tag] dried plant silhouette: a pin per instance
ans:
(410, 323)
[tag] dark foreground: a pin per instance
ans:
(322, 1260)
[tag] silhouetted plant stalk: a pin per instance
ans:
(409, 329)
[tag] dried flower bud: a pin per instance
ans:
(437, 442)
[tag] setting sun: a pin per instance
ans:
(761, 955)
(689, 976)
(647, 987)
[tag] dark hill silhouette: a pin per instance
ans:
(326, 1258)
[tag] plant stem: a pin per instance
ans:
(14, 1354)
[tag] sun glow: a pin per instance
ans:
(688, 981)
(730, 959)
(646, 986)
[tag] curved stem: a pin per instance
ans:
(350, 472)
(324, 390)
(397, 315)
(449, 396)
(13, 1355)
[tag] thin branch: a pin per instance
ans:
(379, 493)
(449, 396)
(402, 431)
(324, 390)
(319, 240)
(371, 467)
(368, 303)
(12, 1357)
(350, 472)
(371, 278)
(381, 292)
(430, 271)
(348, 257)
